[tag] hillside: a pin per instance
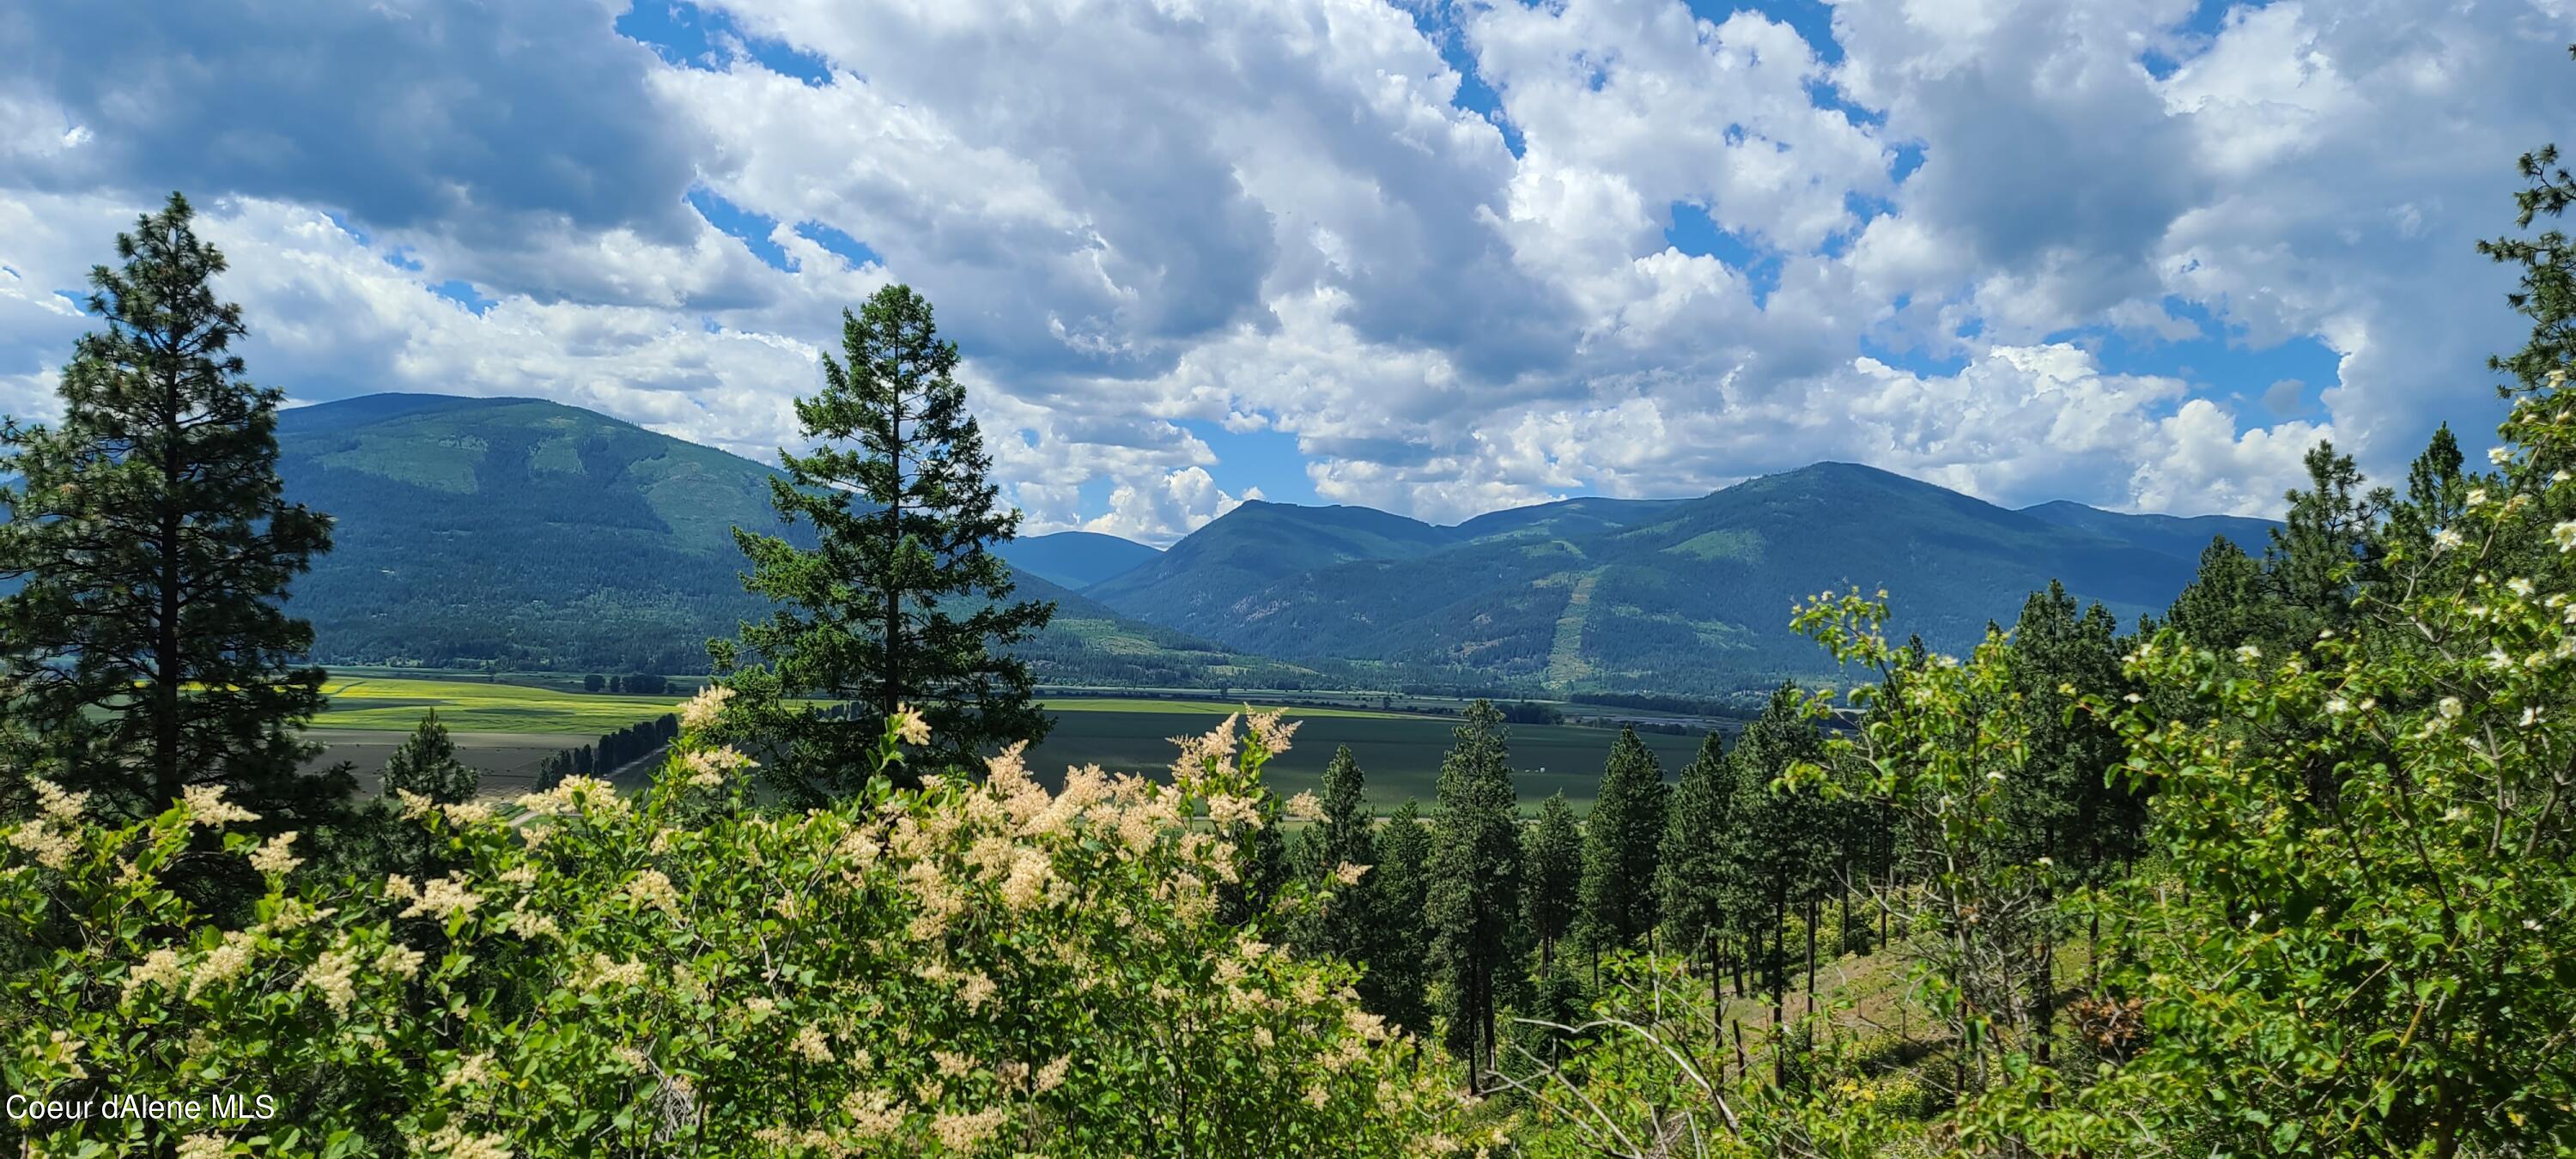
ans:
(1196, 584)
(2170, 534)
(1691, 598)
(1075, 559)
(544, 535)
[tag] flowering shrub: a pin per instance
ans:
(970, 968)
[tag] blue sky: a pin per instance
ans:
(1438, 257)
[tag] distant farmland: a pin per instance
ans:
(506, 729)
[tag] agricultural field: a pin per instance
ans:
(507, 728)
(396, 703)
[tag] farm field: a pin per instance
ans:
(506, 729)
(396, 703)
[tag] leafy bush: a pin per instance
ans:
(964, 969)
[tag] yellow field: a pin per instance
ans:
(380, 703)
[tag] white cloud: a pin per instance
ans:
(1138, 219)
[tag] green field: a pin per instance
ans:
(507, 728)
(379, 702)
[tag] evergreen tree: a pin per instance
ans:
(1699, 881)
(2547, 293)
(426, 765)
(1398, 981)
(1552, 877)
(2222, 607)
(1786, 850)
(1620, 843)
(151, 549)
(2323, 553)
(581, 762)
(1341, 836)
(901, 602)
(592, 682)
(1474, 888)
(617, 684)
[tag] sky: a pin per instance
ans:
(1432, 256)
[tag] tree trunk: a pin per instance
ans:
(1779, 964)
(1717, 993)
(167, 672)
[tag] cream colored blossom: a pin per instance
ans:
(875, 1114)
(206, 806)
(952, 1064)
(2450, 707)
(51, 847)
(603, 972)
(708, 767)
(464, 813)
(965, 1132)
(1305, 807)
(223, 964)
(2449, 538)
(1229, 809)
(204, 1147)
(272, 856)
(521, 922)
(159, 968)
(414, 805)
(58, 803)
(1026, 888)
(810, 1045)
(910, 727)
(2519, 586)
(1349, 874)
(1051, 1076)
(2477, 497)
(704, 709)
(1273, 734)
(332, 975)
(442, 898)
(453, 1143)
(651, 889)
(399, 960)
(975, 990)
(471, 1070)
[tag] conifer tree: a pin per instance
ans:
(1474, 888)
(1552, 877)
(426, 765)
(1784, 857)
(1699, 879)
(1398, 980)
(1342, 836)
(1621, 838)
(901, 601)
(2222, 607)
(151, 547)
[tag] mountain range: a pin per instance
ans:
(533, 533)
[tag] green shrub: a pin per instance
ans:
(969, 968)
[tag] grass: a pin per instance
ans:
(499, 726)
(396, 703)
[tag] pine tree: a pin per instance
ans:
(592, 682)
(2547, 293)
(146, 642)
(1474, 894)
(1398, 980)
(1341, 836)
(1621, 839)
(901, 602)
(2222, 607)
(1699, 881)
(1552, 877)
(1785, 855)
(426, 765)
(2323, 553)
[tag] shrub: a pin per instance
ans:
(963, 969)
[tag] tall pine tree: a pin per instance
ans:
(146, 648)
(901, 601)
(1474, 888)
(1699, 879)
(1398, 982)
(1621, 839)
(1552, 877)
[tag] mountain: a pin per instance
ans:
(1075, 559)
(2171, 534)
(1565, 517)
(1682, 597)
(1196, 584)
(471, 529)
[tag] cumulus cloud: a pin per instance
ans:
(1439, 247)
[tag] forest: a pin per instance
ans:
(2283, 868)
